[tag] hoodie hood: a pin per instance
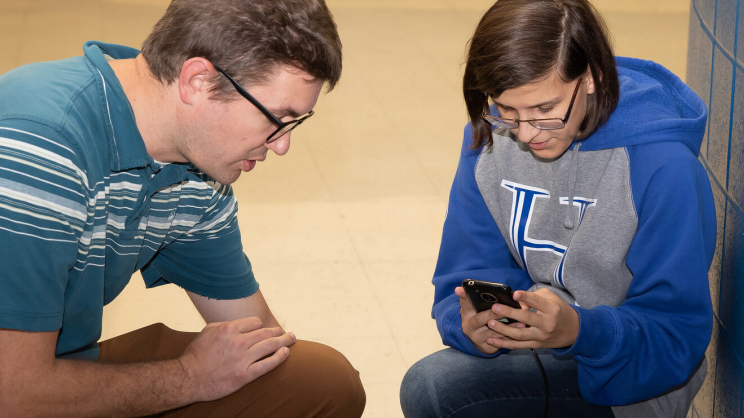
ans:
(655, 105)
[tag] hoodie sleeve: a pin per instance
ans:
(655, 339)
(472, 248)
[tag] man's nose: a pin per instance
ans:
(281, 145)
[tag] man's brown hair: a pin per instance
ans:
(249, 39)
(520, 42)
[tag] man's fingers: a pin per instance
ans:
(269, 346)
(247, 324)
(252, 338)
(259, 368)
(238, 326)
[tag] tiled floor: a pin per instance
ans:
(343, 231)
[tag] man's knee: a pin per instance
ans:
(326, 380)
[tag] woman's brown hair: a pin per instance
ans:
(247, 38)
(520, 42)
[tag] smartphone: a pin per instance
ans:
(484, 294)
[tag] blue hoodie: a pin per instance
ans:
(622, 227)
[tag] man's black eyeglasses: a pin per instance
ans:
(282, 127)
(545, 124)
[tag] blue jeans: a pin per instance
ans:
(452, 384)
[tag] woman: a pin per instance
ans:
(578, 186)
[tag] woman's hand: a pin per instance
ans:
(475, 324)
(554, 324)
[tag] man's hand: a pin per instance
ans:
(226, 356)
(475, 324)
(220, 360)
(554, 324)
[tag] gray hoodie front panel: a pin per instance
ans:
(529, 200)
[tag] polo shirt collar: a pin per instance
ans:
(127, 149)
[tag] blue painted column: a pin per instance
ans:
(715, 71)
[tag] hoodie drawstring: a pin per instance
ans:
(569, 222)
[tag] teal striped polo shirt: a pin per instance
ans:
(83, 205)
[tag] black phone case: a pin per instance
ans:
(484, 294)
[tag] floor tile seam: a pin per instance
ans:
(334, 202)
(438, 70)
(381, 382)
(396, 262)
(305, 263)
(420, 336)
(326, 339)
(387, 382)
(277, 261)
(355, 248)
(449, 8)
(433, 64)
(285, 202)
(363, 338)
(397, 199)
(396, 127)
(646, 13)
(437, 192)
(410, 260)
(384, 314)
(264, 204)
(639, 11)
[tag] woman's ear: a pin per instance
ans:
(589, 81)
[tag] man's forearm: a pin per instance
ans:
(214, 310)
(73, 388)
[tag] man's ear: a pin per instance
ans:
(194, 80)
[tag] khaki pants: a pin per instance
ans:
(314, 381)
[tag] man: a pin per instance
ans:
(119, 161)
